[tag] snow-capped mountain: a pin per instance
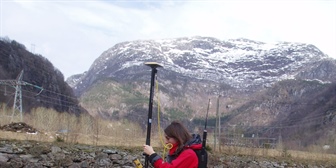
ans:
(259, 85)
(240, 63)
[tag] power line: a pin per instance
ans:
(17, 84)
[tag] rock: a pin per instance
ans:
(18, 127)
(55, 149)
(50, 155)
(3, 157)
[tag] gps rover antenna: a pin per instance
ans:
(153, 65)
(204, 155)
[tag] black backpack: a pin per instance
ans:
(202, 156)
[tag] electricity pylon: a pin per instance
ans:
(17, 103)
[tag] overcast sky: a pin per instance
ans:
(71, 34)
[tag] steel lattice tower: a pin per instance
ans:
(17, 103)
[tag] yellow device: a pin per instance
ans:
(137, 163)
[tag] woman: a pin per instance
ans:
(181, 155)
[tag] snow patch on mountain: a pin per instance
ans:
(238, 62)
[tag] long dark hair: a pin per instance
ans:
(179, 132)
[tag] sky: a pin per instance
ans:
(72, 34)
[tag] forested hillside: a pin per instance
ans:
(42, 84)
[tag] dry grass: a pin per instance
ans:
(290, 154)
(54, 126)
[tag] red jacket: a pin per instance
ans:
(186, 159)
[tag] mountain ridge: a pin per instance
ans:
(222, 67)
(236, 62)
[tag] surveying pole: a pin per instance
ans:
(153, 65)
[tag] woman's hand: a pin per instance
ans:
(148, 150)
